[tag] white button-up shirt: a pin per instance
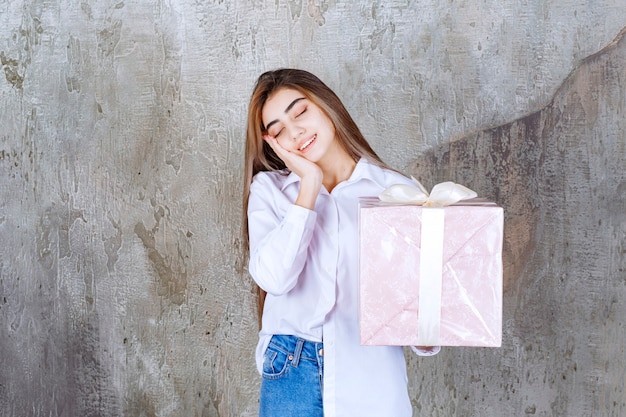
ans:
(307, 261)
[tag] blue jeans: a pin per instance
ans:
(293, 373)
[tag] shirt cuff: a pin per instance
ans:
(298, 214)
(426, 350)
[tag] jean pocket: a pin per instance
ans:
(275, 363)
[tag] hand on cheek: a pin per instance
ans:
(304, 168)
(309, 172)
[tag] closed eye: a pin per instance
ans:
(302, 112)
(275, 133)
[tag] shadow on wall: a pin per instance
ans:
(559, 174)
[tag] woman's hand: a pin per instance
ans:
(296, 163)
(426, 350)
(309, 172)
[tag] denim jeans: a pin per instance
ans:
(293, 373)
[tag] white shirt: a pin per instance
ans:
(307, 261)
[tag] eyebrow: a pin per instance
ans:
(289, 107)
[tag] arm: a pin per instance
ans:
(279, 243)
(279, 238)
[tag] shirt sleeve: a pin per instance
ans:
(279, 238)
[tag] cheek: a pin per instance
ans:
(327, 123)
(330, 129)
(284, 141)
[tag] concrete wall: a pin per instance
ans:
(561, 175)
(122, 287)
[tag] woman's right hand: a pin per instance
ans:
(309, 172)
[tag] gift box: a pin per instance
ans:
(430, 276)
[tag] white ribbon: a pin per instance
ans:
(442, 194)
(431, 247)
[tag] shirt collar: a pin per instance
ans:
(364, 169)
(291, 179)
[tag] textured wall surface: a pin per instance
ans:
(122, 286)
(560, 173)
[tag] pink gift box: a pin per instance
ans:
(465, 306)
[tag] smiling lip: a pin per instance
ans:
(307, 144)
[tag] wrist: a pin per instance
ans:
(309, 190)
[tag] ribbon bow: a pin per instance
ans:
(442, 194)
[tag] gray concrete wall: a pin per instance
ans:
(122, 287)
(561, 175)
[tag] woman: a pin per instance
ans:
(307, 164)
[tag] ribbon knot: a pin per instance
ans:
(442, 194)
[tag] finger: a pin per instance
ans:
(271, 141)
(276, 147)
(268, 139)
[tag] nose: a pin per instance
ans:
(295, 132)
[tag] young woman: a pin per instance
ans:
(307, 164)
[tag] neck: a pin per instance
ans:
(337, 171)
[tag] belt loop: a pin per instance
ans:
(297, 352)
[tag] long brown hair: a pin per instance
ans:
(259, 155)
